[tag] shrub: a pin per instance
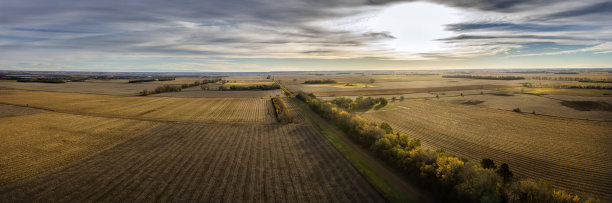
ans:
(504, 172)
(386, 127)
(487, 163)
(518, 110)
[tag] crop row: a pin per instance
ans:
(204, 163)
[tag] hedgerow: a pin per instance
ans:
(451, 178)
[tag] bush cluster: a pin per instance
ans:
(325, 81)
(455, 179)
(359, 103)
(485, 77)
(281, 111)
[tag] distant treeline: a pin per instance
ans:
(43, 80)
(359, 102)
(605, 86)
(450, 178)
(152, 79)
(255, 87)
(325, 81)
(567, 73)
(528, 72)
(161, 89)
(176, 88)
(485, 77)
(579, 79)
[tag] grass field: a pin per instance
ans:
(153, 108)
(207, 163)
(34, 144)
(571, 154)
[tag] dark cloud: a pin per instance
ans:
(517, 27)
(480, 37)
(379, 35)
(604, 8)
(252, 27)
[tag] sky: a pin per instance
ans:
(303, 35)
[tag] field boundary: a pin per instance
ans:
(390, 184)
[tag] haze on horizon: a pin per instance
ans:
(292, 35)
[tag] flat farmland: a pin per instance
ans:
(151, 108)
(571, 154)
(198, 92)
(110, 87)
(38, 143)
(207, 163)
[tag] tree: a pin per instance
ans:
(402, 98)
(372, 80)
(393, 99)
(383, 101)
(386, 127)
(487, 163)
(504, 172)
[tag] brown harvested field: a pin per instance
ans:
(295, 112)
(35, 144)
(540, 104)
(571, 154)
(366, 91)
(12, 110)
(110, 87)
(198, 92)
(151, 108)
(207, 163)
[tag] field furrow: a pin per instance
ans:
(571, 154)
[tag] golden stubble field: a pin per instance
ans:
(38, 143)
(207, 163)
(70, 147)
(570, 153)
(151, 108)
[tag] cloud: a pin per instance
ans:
(593, 9)
(63, 31)
(603, 48)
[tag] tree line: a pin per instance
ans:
(570, 86)
(449, 177)
(485, 77)
(42, 80)
(255, 87)
(152, 79)
(359, 103)
(281, 111)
